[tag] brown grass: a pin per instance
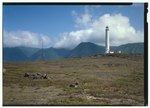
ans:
(106, 80)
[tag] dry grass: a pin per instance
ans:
(106, 80)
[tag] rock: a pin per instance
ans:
(75, 85)
(45, 76)
(36, 75)
(26, 74)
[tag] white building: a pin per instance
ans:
(107, 47)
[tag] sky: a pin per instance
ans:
(65, 26)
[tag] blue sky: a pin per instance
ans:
(68, 25)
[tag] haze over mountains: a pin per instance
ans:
(21, 54)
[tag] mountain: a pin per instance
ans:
(13, 55)
(49, 54)
(62, 52)
(86, 49)
(113, 48)
(20, 54)
(131, 48)
(28, 51)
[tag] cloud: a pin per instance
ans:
(121, 31)
(82, 20)
(71, 39)
(25, 38)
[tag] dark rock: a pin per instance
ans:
(26, 74)
(75, 85)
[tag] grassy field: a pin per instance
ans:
(103, 80)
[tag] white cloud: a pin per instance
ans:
(71, 39)
(91, 29)
(25, 38)
(82, 20)
(121, 31)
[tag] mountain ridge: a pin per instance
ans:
(21, 54)
(86, 49)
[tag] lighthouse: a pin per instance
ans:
(107, 48)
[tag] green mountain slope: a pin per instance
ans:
(49, 54)
(28, 51)
(131, 48)
(14, 55)
(19, 54)
(86, 49)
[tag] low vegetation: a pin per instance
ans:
(102, 80)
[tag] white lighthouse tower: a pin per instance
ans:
(107, 49)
